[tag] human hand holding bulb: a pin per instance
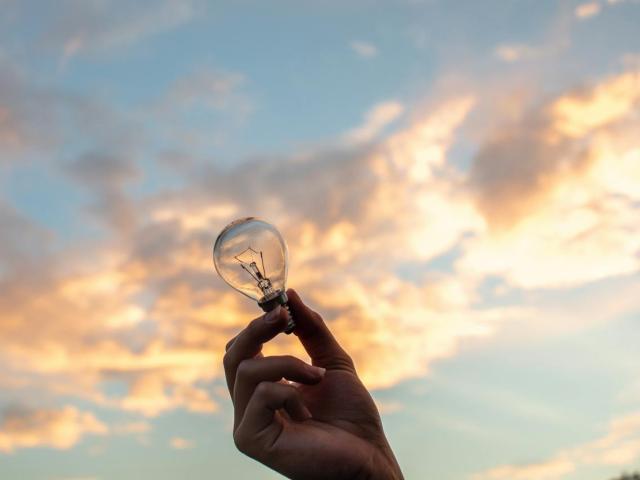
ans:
(308, 422)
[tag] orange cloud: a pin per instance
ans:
(588, 10)
(551, 469)
(376, 120)
(576, 115)
(145, 309)
(180, 443)
(60, 429)
(556, 192)
(619, 447)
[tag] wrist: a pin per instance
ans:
(384, 467)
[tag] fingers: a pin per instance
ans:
(315, 336)
(250, 373)
(257, 428)
(248, 343)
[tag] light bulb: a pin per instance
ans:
(251, 256)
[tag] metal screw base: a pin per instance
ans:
(292, 324)
(278, 298)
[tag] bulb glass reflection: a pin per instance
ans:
(251, 256)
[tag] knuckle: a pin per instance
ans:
(244, 370)
(349, 361)
(263, 389)
(289, 391)
(229, 344)
(289, 359)
(240, 441)
(254, 326)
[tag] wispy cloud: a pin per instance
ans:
(221, 98)
(364, 49)
(131, 427)
(213, 89)
(588, 10)
(556, 468)
(619, 447)
(515, 52)
(376, 119)
(90, 27)
(180, 443)
(37, 121)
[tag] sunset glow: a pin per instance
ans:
(459, 188)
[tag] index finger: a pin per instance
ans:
(248, 343)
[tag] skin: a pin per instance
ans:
(325, 424)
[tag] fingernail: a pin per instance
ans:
(273, 315)
(319, 371)
(307, 412)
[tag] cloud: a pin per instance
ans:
(389, 407)
(556, 468)
(588, 10)
(159, 319)
(619, 447)
(102, 170)
(79, 478)
(26, 114)
(152, 393)
(583, 112)
(366, 221)
(364, 49)
(131, 427)
(198, 111)
(513, 52)
(39, 123)
(557, 213)
(23, 243)
(180, 443)
(61, 429)
(10, 136)
(215, 89)
(376, 119)
(78, 27)
(106, 174)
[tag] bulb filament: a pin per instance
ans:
(248, 262)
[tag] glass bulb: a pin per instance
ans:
(251, 256)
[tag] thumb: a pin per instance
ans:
(315, 336)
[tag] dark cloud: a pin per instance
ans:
(515, 171)
(102, 170)
(23, 243)
(106, 176)
(326, 186)
(27, 115)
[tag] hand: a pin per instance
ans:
(323, 426)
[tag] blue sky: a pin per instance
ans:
(457, 182)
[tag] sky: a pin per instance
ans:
(458, 183)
